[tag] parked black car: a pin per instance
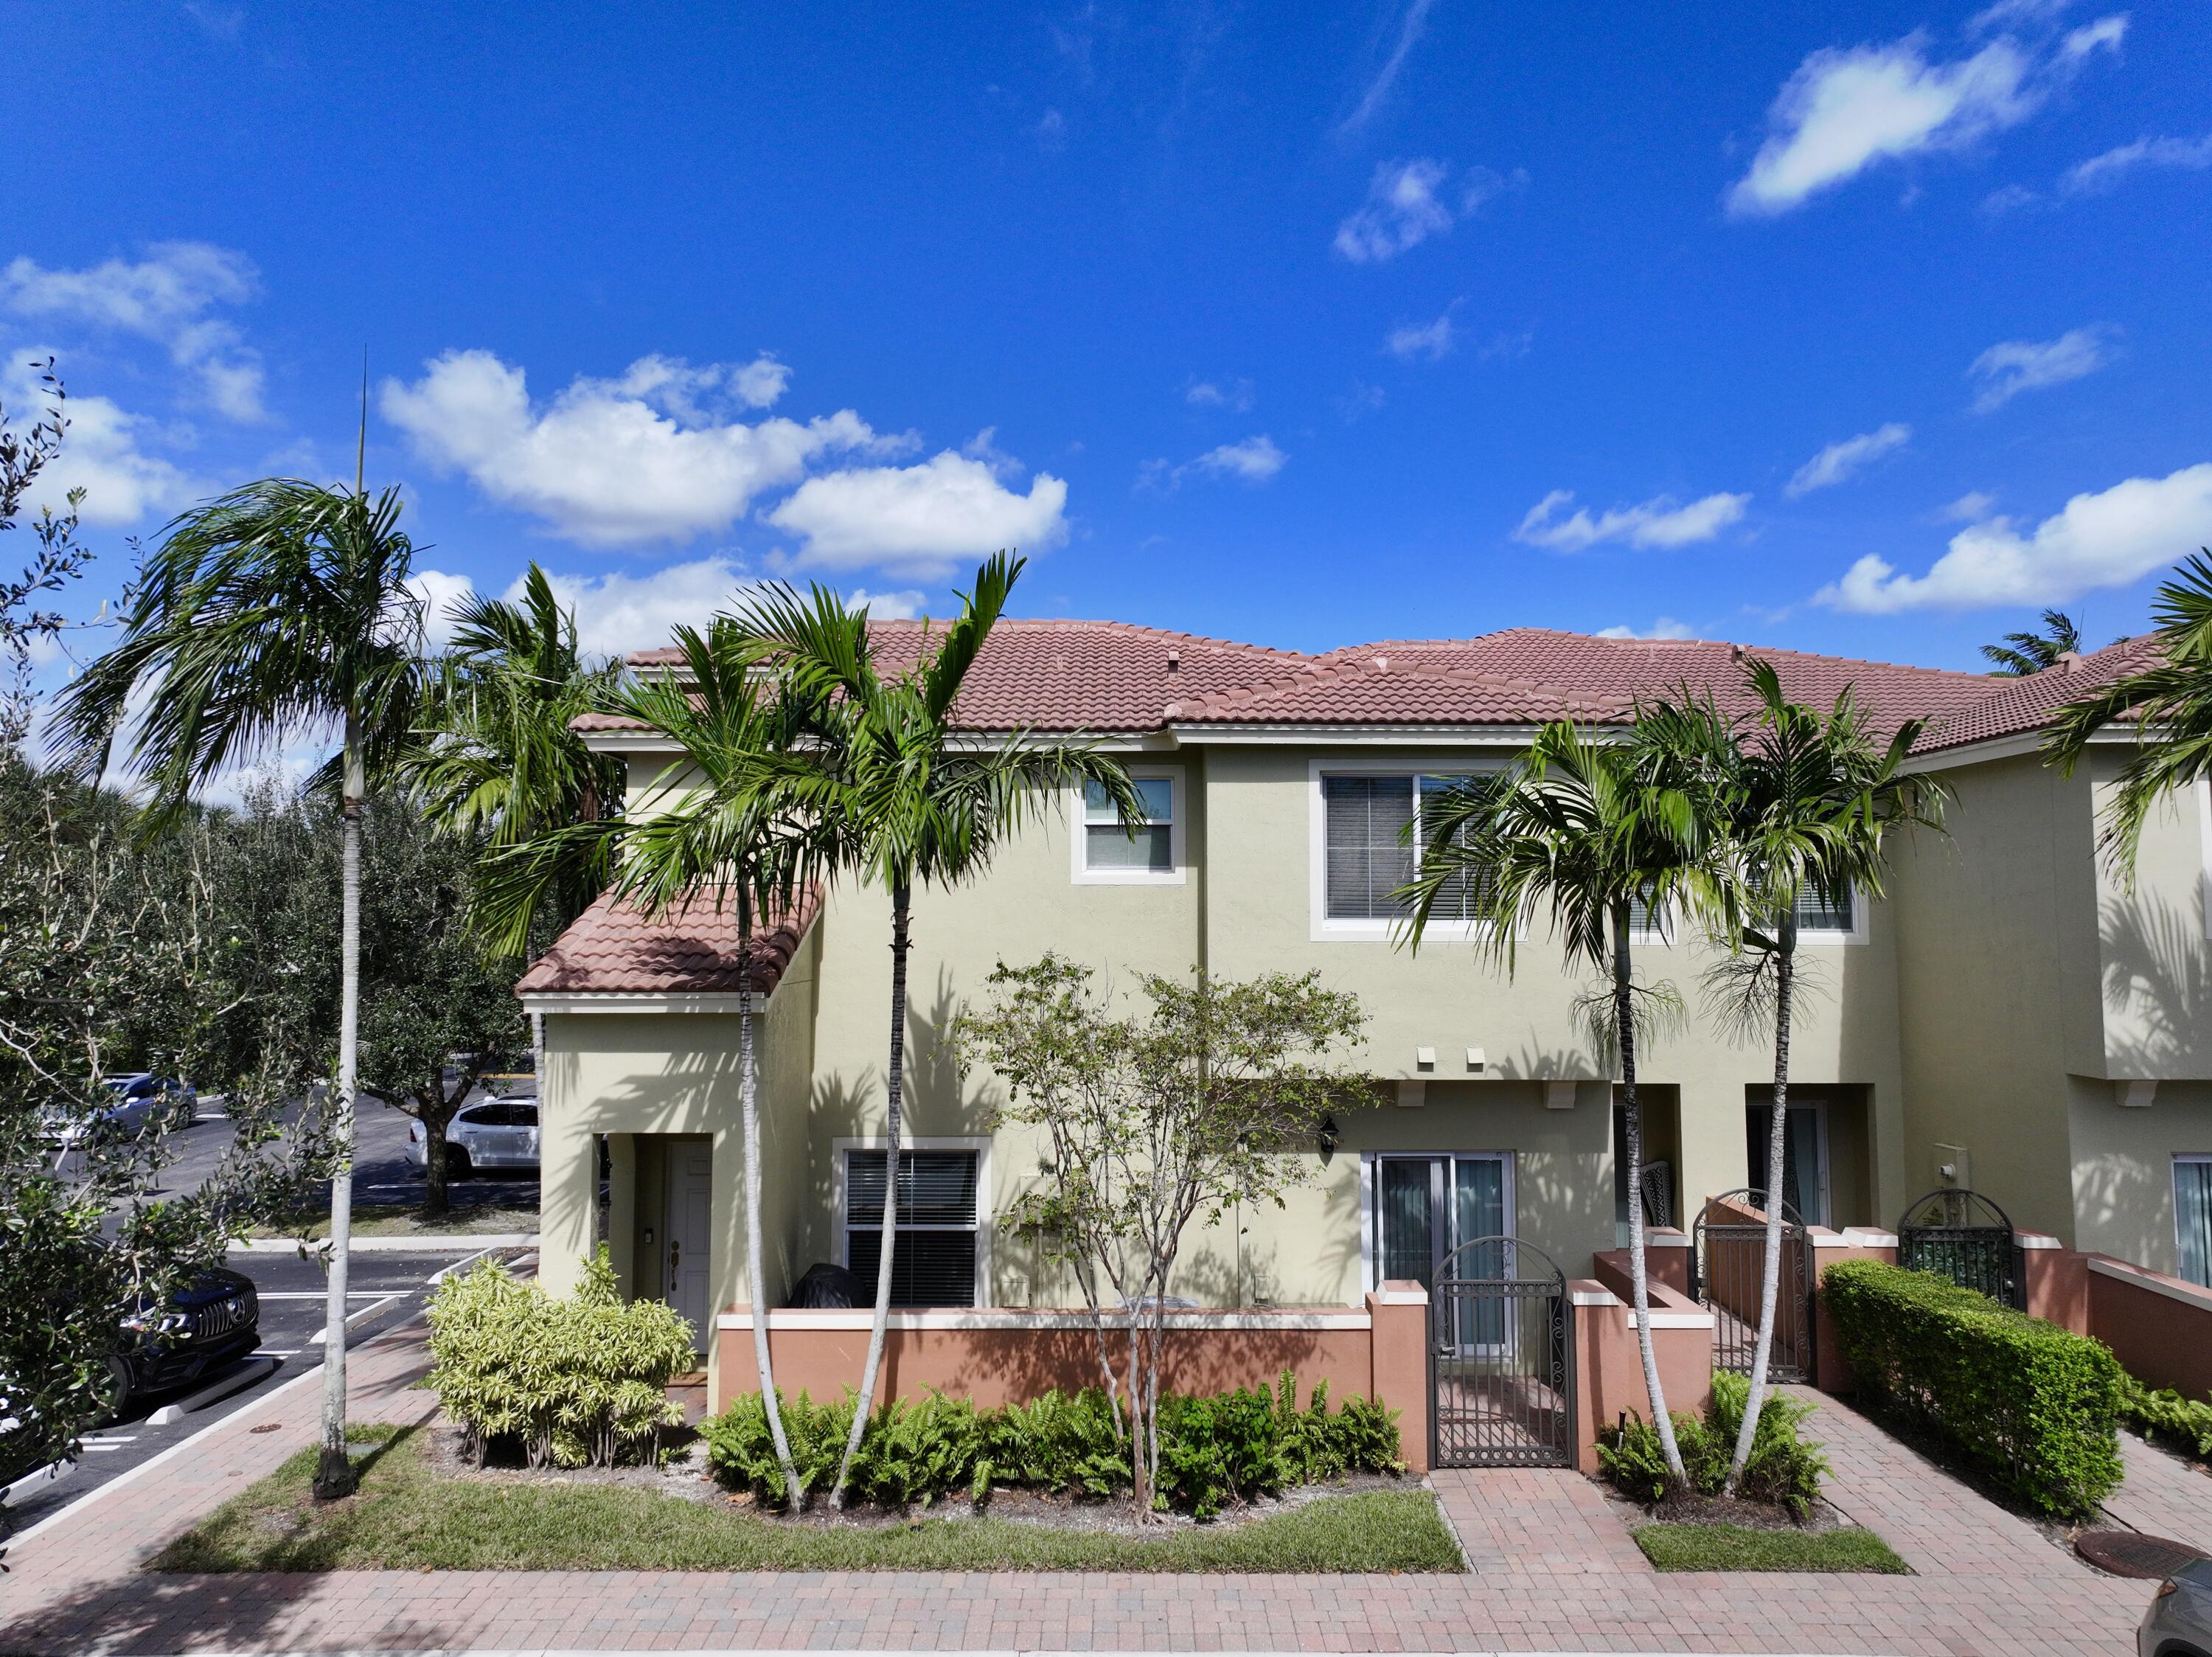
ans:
(213, 1321)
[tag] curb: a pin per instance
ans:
(445, 1243)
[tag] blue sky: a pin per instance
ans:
(1867, 330)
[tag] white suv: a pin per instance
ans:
(493, 1133)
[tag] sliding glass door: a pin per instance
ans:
(1426, 1206)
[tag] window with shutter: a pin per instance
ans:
(934, 1263)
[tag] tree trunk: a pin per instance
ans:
(334, 1475)
(756, 1272)
(901, 902)
(1778, 1146)
(435, 1192)
(1631, 1115)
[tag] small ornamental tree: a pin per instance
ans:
(1155, 1117)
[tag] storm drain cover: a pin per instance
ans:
(2130, 1553)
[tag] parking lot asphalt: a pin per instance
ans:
(384, 1290)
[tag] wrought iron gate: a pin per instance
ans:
(1966, 1238)
(1727, 1267)
(1501, 1359)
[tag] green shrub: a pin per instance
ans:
(1783, 1469)
(2031, 1404)
(1228, 1447)
(2165, 1413)
(571, 1382)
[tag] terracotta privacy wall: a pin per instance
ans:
(2160, 1327)
(1007, 1356)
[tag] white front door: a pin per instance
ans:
(691, 1235)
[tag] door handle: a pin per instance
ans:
(675, 1255)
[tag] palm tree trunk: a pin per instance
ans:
(334, 1474)
(757, 1271)
(1624, 1006)
(900, 903)
(1778, 1143)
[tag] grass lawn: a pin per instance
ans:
(407, 1516)
(1740, 1547)
(403, 1220)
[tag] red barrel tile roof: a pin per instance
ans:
(2021, 706)
(613, 948)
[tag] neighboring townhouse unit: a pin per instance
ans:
(2007, 1012)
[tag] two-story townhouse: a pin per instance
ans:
(1278, 785)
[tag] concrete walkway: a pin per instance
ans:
(1554, 1570)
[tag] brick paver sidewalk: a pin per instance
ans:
(1554, 1570)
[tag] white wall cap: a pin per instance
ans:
(1597, 1294)
(1017, 1318)
(1871, 1237)
(1675, 1320)
(2036, 1240)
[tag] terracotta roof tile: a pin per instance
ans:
(2017, 706)
(612, 947)
(1380, 691)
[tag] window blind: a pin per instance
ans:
(934, 1263)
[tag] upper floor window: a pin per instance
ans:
(1372, 836)
(1106, 853)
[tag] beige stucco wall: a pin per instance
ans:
(2123, 1165)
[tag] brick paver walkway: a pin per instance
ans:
(1554, 1570)
(2163, 1493)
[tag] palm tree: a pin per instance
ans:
(279, 609)
(499, 750)
(741, 825)
(1586, 830)
(2022, 654)
(2169, 703)
(1813, 797)
(908, 798)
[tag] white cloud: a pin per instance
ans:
(2101, 172)
(1433, 340)
(1666, 627)
(1658, 522)
(1410, 29)
(2106, 539)
(1840, 459)
(919, 519)
(2013, 366)
(1402, 212)
(1236, 395)
(2008, 199)
(1484, 184)
(653, 455)
(1253, 461)
(164, 297)
(1363, 400)
(1846, 109)
(1969, 508)
(2009, 13)
(617, 612)
(439, 594)
(889, 607)
(123, 484)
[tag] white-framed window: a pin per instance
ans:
(1417, 1208)
(943, 1252)
(2192, 1218)
(1650, 924)
(1831, 918)
(1104, 853)
(1367, 839)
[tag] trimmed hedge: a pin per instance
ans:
(1229, 1447)
(2034, 1405)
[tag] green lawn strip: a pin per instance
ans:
(403, 1220)
(408, 1517)
(1741, 1548)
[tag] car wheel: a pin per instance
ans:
(458, 1166)
(118, 1387)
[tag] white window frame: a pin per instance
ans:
(1827, 937)
(2174, 1195)
(1327, 930)
(985, 1222)
(1369, 1242)
(1081, 871)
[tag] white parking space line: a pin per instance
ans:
(320, 1295)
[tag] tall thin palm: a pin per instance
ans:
(740, 824)
(279, 610)
(1579, 833)
(910, 798)
(2169, 704)
(1814, 797)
